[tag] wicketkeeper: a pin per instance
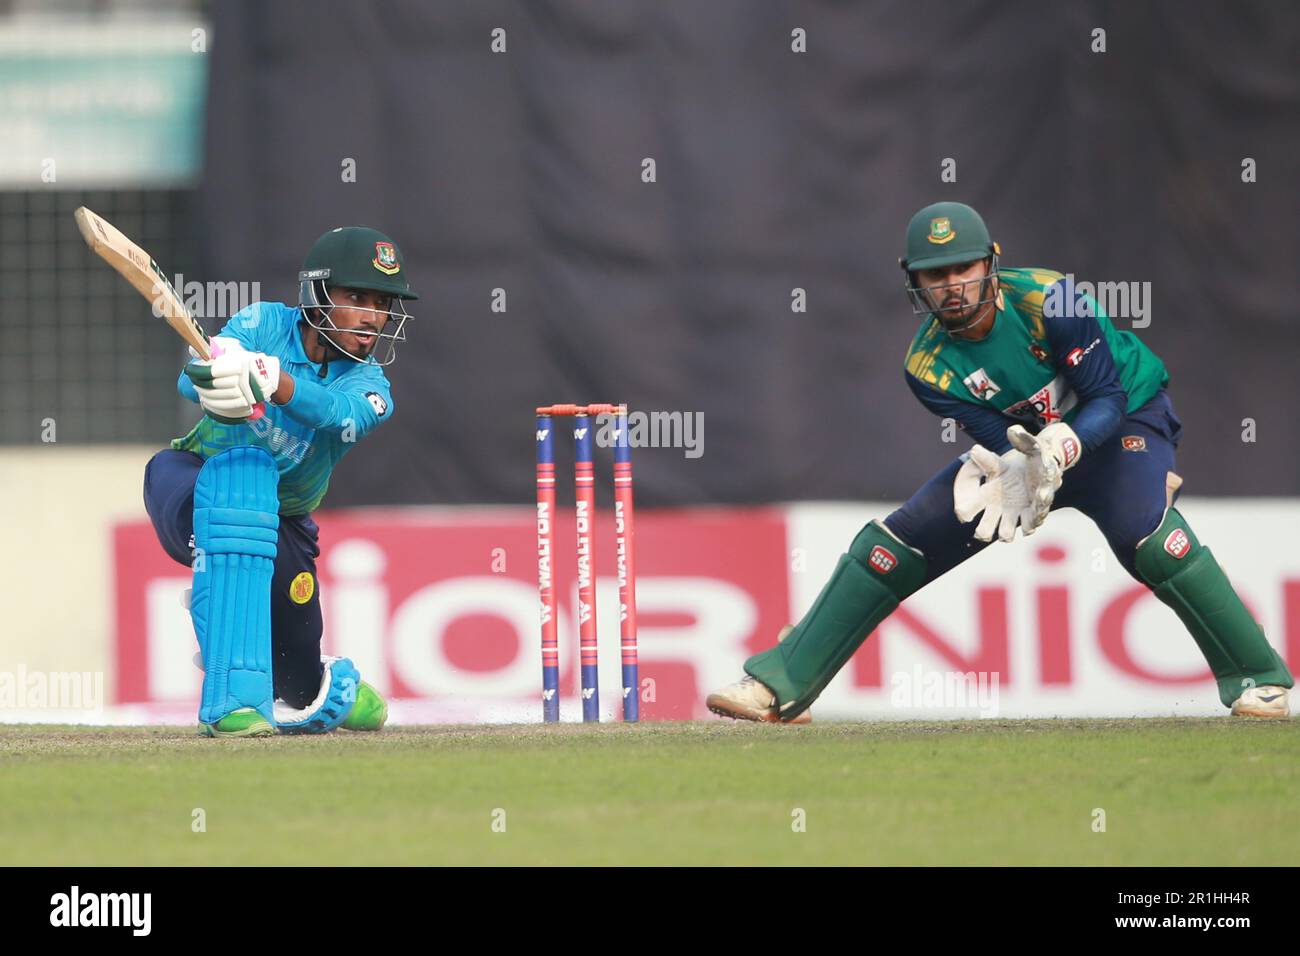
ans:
(288, 392)
(1068, 412)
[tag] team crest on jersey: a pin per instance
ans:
(941, 231)
(386, 259)
(980, 385)
(881, 560)
(1133, 443)
(1039, 352)
(377, 403)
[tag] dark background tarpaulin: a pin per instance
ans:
(776, 170)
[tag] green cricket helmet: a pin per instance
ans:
(947, 234)
(355, 257)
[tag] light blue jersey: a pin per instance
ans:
(325, 417)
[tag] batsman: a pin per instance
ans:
(1067, 412)
(288, 392)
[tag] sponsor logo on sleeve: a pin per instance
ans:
(377, 403)
(1078, 355)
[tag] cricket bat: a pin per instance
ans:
(138, 268)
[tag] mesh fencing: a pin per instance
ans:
(82, 357)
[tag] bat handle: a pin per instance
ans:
(260, 408)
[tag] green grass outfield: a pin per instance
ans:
(1178, 791)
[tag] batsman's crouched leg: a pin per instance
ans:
(869, 582)
(235, 531)
(1184, 575)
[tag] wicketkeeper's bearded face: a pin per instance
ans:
(955, 293)
(951, 265)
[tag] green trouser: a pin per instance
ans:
(869, 582)
(1184, 575)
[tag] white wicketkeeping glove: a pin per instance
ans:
(1054, 449)
(996, 486)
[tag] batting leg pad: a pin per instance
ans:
(1184, 575)
(333, 704)
(869, 582)
(236, 523)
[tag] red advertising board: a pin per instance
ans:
(442, 606)
(439, 609)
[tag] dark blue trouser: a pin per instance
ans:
(295, 627)
(1122, 490)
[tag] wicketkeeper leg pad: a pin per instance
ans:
(869, 582)
(236, 523)
(1184, 575)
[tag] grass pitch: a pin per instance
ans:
(1175, 792)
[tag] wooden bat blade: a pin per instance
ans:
(137, 267)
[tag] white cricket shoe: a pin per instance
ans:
(1266, 701)
(749, 699)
